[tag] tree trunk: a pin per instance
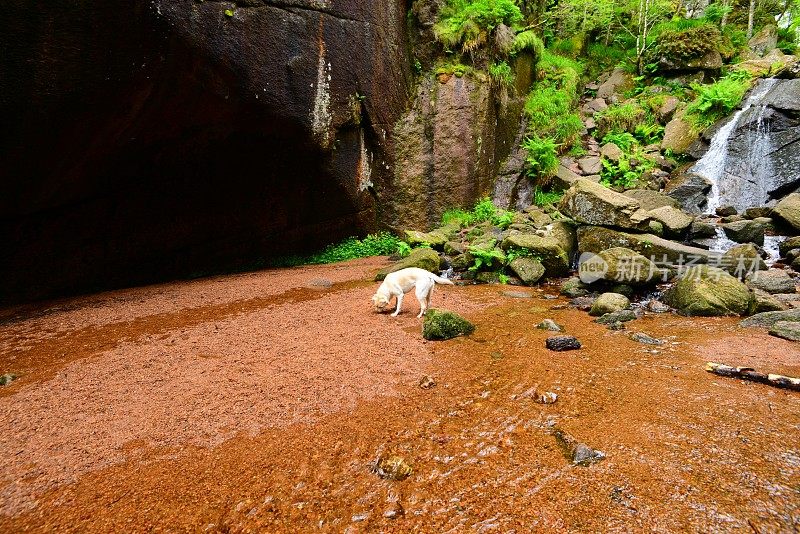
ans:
(750, 13)
(746, 373)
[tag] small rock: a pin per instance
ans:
(590, 165)
(583, 303)
(395, 511)
(755, 213)
(358, 518)
(427, 382)
(392, 468)
(551, 325)
(725, 211)
(574, 287)
(320, 282)
(616, 325)
(622, 316)
(641, 337)
(548, 397)
(575, 451)
(656, 306)
(517, 294)
(562, 343)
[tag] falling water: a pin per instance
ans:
(725, 187)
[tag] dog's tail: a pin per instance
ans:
(440, 280)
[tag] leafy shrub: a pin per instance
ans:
(484, 210)
(624, 140)
(457, 216)
(501, 74)
(715, 12)
(486, 258)
(620, 118)
(527, 41)
(456, 69)
(542, 158)
(719, 99)
(787, 40)
(649, 134)
(380, 244)
(543, 198)
(468, 23)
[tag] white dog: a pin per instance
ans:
(398, 283)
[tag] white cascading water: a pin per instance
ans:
(712, 166)
(726, 188)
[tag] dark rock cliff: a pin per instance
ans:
(144, 140)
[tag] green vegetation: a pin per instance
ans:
(484, 211)
(543, 198)
(380, 244)
(542, 158)
(719, 99)
(484, 258)
(620, 118)
(527, 41)
(469, 23)
(501, 74)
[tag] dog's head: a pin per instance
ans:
(380, 302)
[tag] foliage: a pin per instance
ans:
(501, 74)
(624, 173)
(380, 244)
(484, 211)
(456, 69)
(542, 158)
(624, 140)
(716, 100)
(528, 41)
(543, 198)
(486, 258)
(648, 134)
(468, 23)
(457, 216)
(620, 118)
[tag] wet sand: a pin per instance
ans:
(259, 402)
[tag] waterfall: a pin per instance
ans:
(748, 188)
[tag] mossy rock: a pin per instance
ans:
(424, 258)
(529, 270)
(435, 239)
(547, 250)
(440, 325)
(628, 266)
(709, 291)
(609, 303)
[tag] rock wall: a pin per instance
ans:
(145, 140)
(451, 144)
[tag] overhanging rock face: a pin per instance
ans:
(146, 140)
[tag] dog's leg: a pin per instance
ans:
(399, 305)
(423, 293)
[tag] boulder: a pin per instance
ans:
(590, 203)
(679, 134)
(779, 64)
(726, 211)
(619, 82)
(768, 319)
(564, 234)
(786, 330)
(597, 239)
(764, 41)
(772, 281)
(574, 287)
(609, 303)
(440, 325)
(701, 228)
(674, 221)
(764, 302)
(435, 239)
(529, 270)
(758, 212)
(630, 267)
(564, 178)
(667, 110)
(788, 210)
(595, 105)
(745, 232)
(690, 191)
(741, 260)
(650, 200)
(424, 258)
(708, 291)
(547, 250)
(789, 244)
(454, 248)
(641, 337)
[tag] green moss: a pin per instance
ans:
(468, 23)
(528, 41)
(620, 118)
(693, 41)
(440, 325)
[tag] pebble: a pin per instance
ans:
(392, 468)
(427, 382)
(562, 343)
(548, 397)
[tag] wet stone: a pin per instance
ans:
(517, 294)
(617, 317)
(7, 378)
(616, 326)
(575, 451)
(583, 303)
(392, 468)
(562, 343)
(394, 512)
(551, 325)
(656, 306)
(641, 337)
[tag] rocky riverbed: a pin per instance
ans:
(280, 401)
